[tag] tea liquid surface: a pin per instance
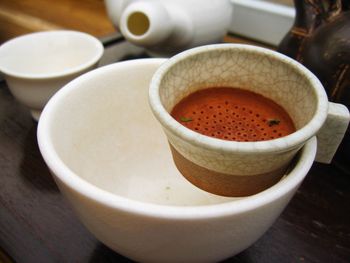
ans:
(233, 114)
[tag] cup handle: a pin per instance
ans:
(332, 132)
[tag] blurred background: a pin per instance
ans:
(18, 17)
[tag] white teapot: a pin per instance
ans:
(165, 27)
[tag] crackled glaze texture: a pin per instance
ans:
(256, 69)
(231, 163)
(258, 72)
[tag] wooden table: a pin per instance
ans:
(19, 17)
(38, 225)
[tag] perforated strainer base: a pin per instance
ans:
(233, 114)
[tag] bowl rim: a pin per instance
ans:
(67, 177)
(93, 59)
(282, 144)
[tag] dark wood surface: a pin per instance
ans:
(38, 225)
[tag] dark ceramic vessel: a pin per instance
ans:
(320, 39)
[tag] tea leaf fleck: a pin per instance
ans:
(272, 122)
(185, 119)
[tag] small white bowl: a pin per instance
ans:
(110, 158)
(36, 65)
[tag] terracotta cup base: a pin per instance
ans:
(225, 184)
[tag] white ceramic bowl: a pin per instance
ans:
(111, 160)
(36, 65)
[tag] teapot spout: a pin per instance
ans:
(166, 27)
(146, 23)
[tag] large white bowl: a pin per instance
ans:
(111, 160)
(36, 65)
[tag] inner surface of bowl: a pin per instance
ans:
(253, 69)
(49, 53)
(105, 133)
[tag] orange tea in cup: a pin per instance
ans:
(233, 114)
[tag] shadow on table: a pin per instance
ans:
(33, 168)
(103, 254)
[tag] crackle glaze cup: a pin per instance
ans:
(233, 168)
(36, 65)
(110, 158)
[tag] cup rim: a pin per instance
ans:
(282, 144)
(94, 58)
(62, 173)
